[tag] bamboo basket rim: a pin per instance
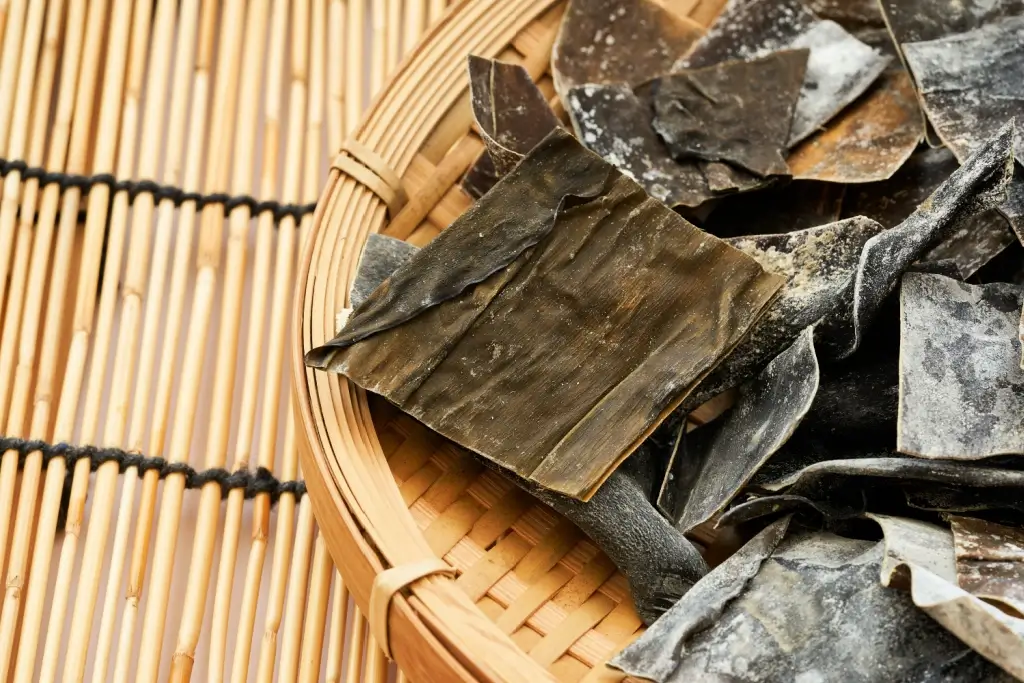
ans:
(436, 633)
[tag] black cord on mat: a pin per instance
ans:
(159, 192)
(260, 481)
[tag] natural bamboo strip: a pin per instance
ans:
(338, 630)
(415, 15)
(134, 286)
(9, 71)
(297, 585)
(435, 11)
(394, 34)
(336, 54)
(400, 678)
(208, 257)
(194, 601)
(193, 64)
(26, 341)
(376, 663)
(354, 63)
(356, 647)
(259, 303)
(85, 326)
(104, 490)
(316, 614)
(14, 146)
(378, 45)
(83, 93)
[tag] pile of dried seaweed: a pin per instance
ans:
(809, 213)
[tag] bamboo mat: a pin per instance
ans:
(160, 160)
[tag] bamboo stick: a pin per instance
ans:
(415, 16)
(104, 490)
(193, 60)
(435, 10)
(376, 663)
(338, 632)
(378, 45)
(14, 146)
(354, 63)
(211, 237)
(68, 149)
(394, 34)
(293, 616)
(258, 305)
(356, 647)
(316, 614)
(336, 55)
(9, 71)
(208, 257)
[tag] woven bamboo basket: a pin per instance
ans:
(533, 599)
(160, 163)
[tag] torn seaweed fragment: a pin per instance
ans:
(474, 338)
(737, 112)
(512, 114)
(839, 68)
(990, 561)
(961, 385)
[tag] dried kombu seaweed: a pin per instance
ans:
(381, 256)
(819, 264)
(811, 609)
(617, 41)
(659, 562)
(767, 411)
(853, 15)
(839, 68)
(519, 339)
(922, 555)
(795, 206)
(990, 561)
(869, 140)
(961, 385)
(971, 83)
(976, 241)
(512, 114)
(737, 111)
(613, 122)
(974, 187)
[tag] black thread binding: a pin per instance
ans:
(254, 483)
(160, 192)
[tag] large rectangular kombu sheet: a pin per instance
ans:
(557, 322)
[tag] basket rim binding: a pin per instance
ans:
(437, 633)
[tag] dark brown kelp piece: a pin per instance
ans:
(990, 561)
(737, 111)
(797, 205)
(976, 241)
(869, 140)
(920, 556)
(660, 563)
(617, 41)
(839, 68)
(973, 188)
(767, 411)
(613, 122)
(381, 256)
(961, 384)
(819, 264)
(853, 15)
(476, 336)
(512, 114)
(913, 21)
(811, 609)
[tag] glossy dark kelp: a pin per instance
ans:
(476, 336)
(512, 115)
(990, 561)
